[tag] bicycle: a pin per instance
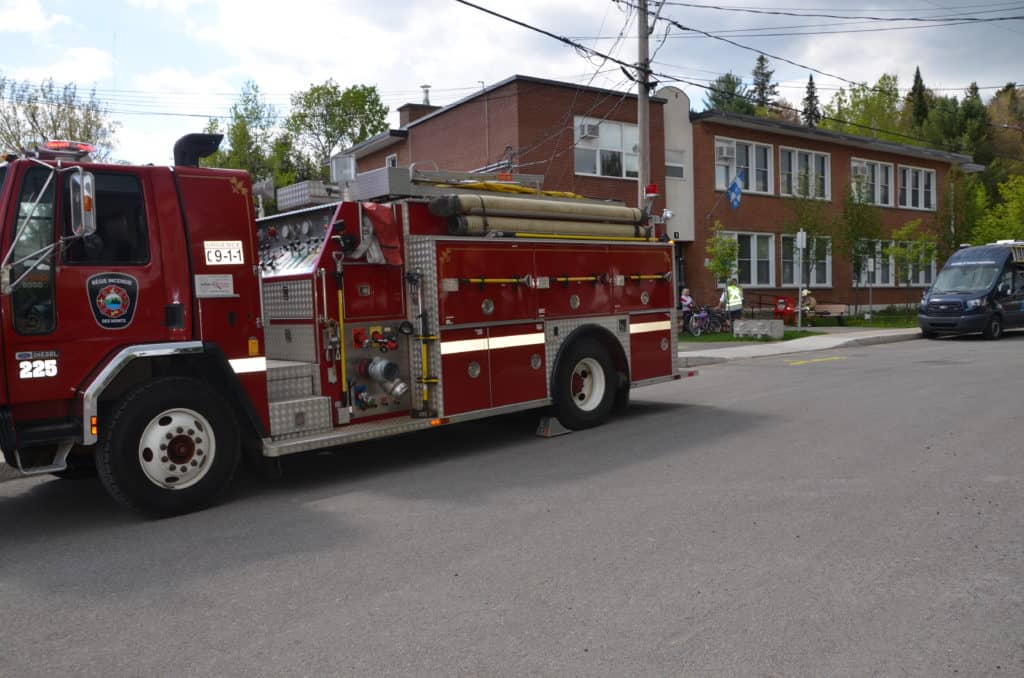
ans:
(705, 321)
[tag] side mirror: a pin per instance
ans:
(82, 189)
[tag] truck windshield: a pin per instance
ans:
(966, 278)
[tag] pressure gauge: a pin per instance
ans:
(285, 230)
(305, 228)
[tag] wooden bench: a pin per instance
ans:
(838, 311)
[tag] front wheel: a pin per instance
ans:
(584, 385)
(171, 446)
(696, 325)
(994, 327)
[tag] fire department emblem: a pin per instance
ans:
(113, 298)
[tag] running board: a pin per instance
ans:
(14, 468)
(351, 433)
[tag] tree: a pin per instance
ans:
(248, 135)
(855, 230)
(962, 204)
(324, 119)
(721, 251)
(975, 128)
(1006, 113)
(811, 114)
(918, 99)
(763, 91)
(728, 93)
(943, 124)
(912, 248)
(874, 111)
(1004, 220)
(30, 114)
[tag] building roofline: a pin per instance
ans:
(801, 131)
(375, 143)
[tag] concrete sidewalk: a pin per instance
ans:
(693, 355)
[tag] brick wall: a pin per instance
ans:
(770, 213)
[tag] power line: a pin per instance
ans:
(778, 12)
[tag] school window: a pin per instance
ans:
(605, 149)
(391, 160)
(675, 164)
(754, 160)
(755, 259)
(817, 265)
(121, 237)
(872, 181)
(876, 267)
(917, 188)
(917, 273)
(805, 173)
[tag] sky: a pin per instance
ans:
(164, 67)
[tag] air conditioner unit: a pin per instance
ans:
(725, 152)
(589, 131)
(859, 171)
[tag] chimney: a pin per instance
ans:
(426, 94)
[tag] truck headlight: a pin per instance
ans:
(975, 303)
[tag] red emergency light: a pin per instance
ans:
(651, 191)
(64, 148)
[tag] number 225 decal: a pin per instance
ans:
(37, 369)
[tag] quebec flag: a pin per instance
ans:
(735, 191)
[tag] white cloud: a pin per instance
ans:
(27, 16)
(81, 65)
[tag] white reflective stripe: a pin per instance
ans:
(463, 346)
(657, 326)
(493, 344)
(516, 340)
(246, 365)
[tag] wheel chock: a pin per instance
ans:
(549, 427)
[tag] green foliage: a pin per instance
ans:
(962, 203)
(1004, 220)
(721, 250)
(324, 119)
(913, 247)
(810, 215)
(764, 91)
(918, 100)
(728, 93)
(857, 225)
(875, 111)
(811, 114)
(248, 135)
(31, 114)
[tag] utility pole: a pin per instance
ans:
(643, 103)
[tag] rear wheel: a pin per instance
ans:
(585, 385)
(695, 325)
(994, 327)
(171, 447)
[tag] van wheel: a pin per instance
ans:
(994, 328)
(584, 385)
(171, 446)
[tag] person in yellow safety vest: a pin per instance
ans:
(732, 300)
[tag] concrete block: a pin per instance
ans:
(759, 329)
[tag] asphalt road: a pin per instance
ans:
(849, 513)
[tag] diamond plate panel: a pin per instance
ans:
(556, 331)
(291, 342)
(421, 256)
(302, 415)
(290, 389)
(288, 300)
(284, 369)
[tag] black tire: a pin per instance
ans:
(584, 385)
(714, 324)
(153, 480)
(994, 327)
(695, 326)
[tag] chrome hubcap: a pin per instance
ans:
(177, 448)
(587, 384)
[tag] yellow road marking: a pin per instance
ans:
(795, 363)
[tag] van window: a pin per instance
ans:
(966, 277)
(121, 237)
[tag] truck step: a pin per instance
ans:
(288, 380)
(300, 416)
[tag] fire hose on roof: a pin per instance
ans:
(482, 214)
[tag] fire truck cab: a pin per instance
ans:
(154, 329)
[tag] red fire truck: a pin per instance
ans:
(155, 330)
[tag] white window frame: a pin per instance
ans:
(905, 190)
(873, 194)
(391, 160)
(754, 260)
(812, 175)
(681, 165)
(750, 180)
(880, 245)
(598, 144)
(798, 271)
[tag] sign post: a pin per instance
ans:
(801, 245)
(871, 280)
